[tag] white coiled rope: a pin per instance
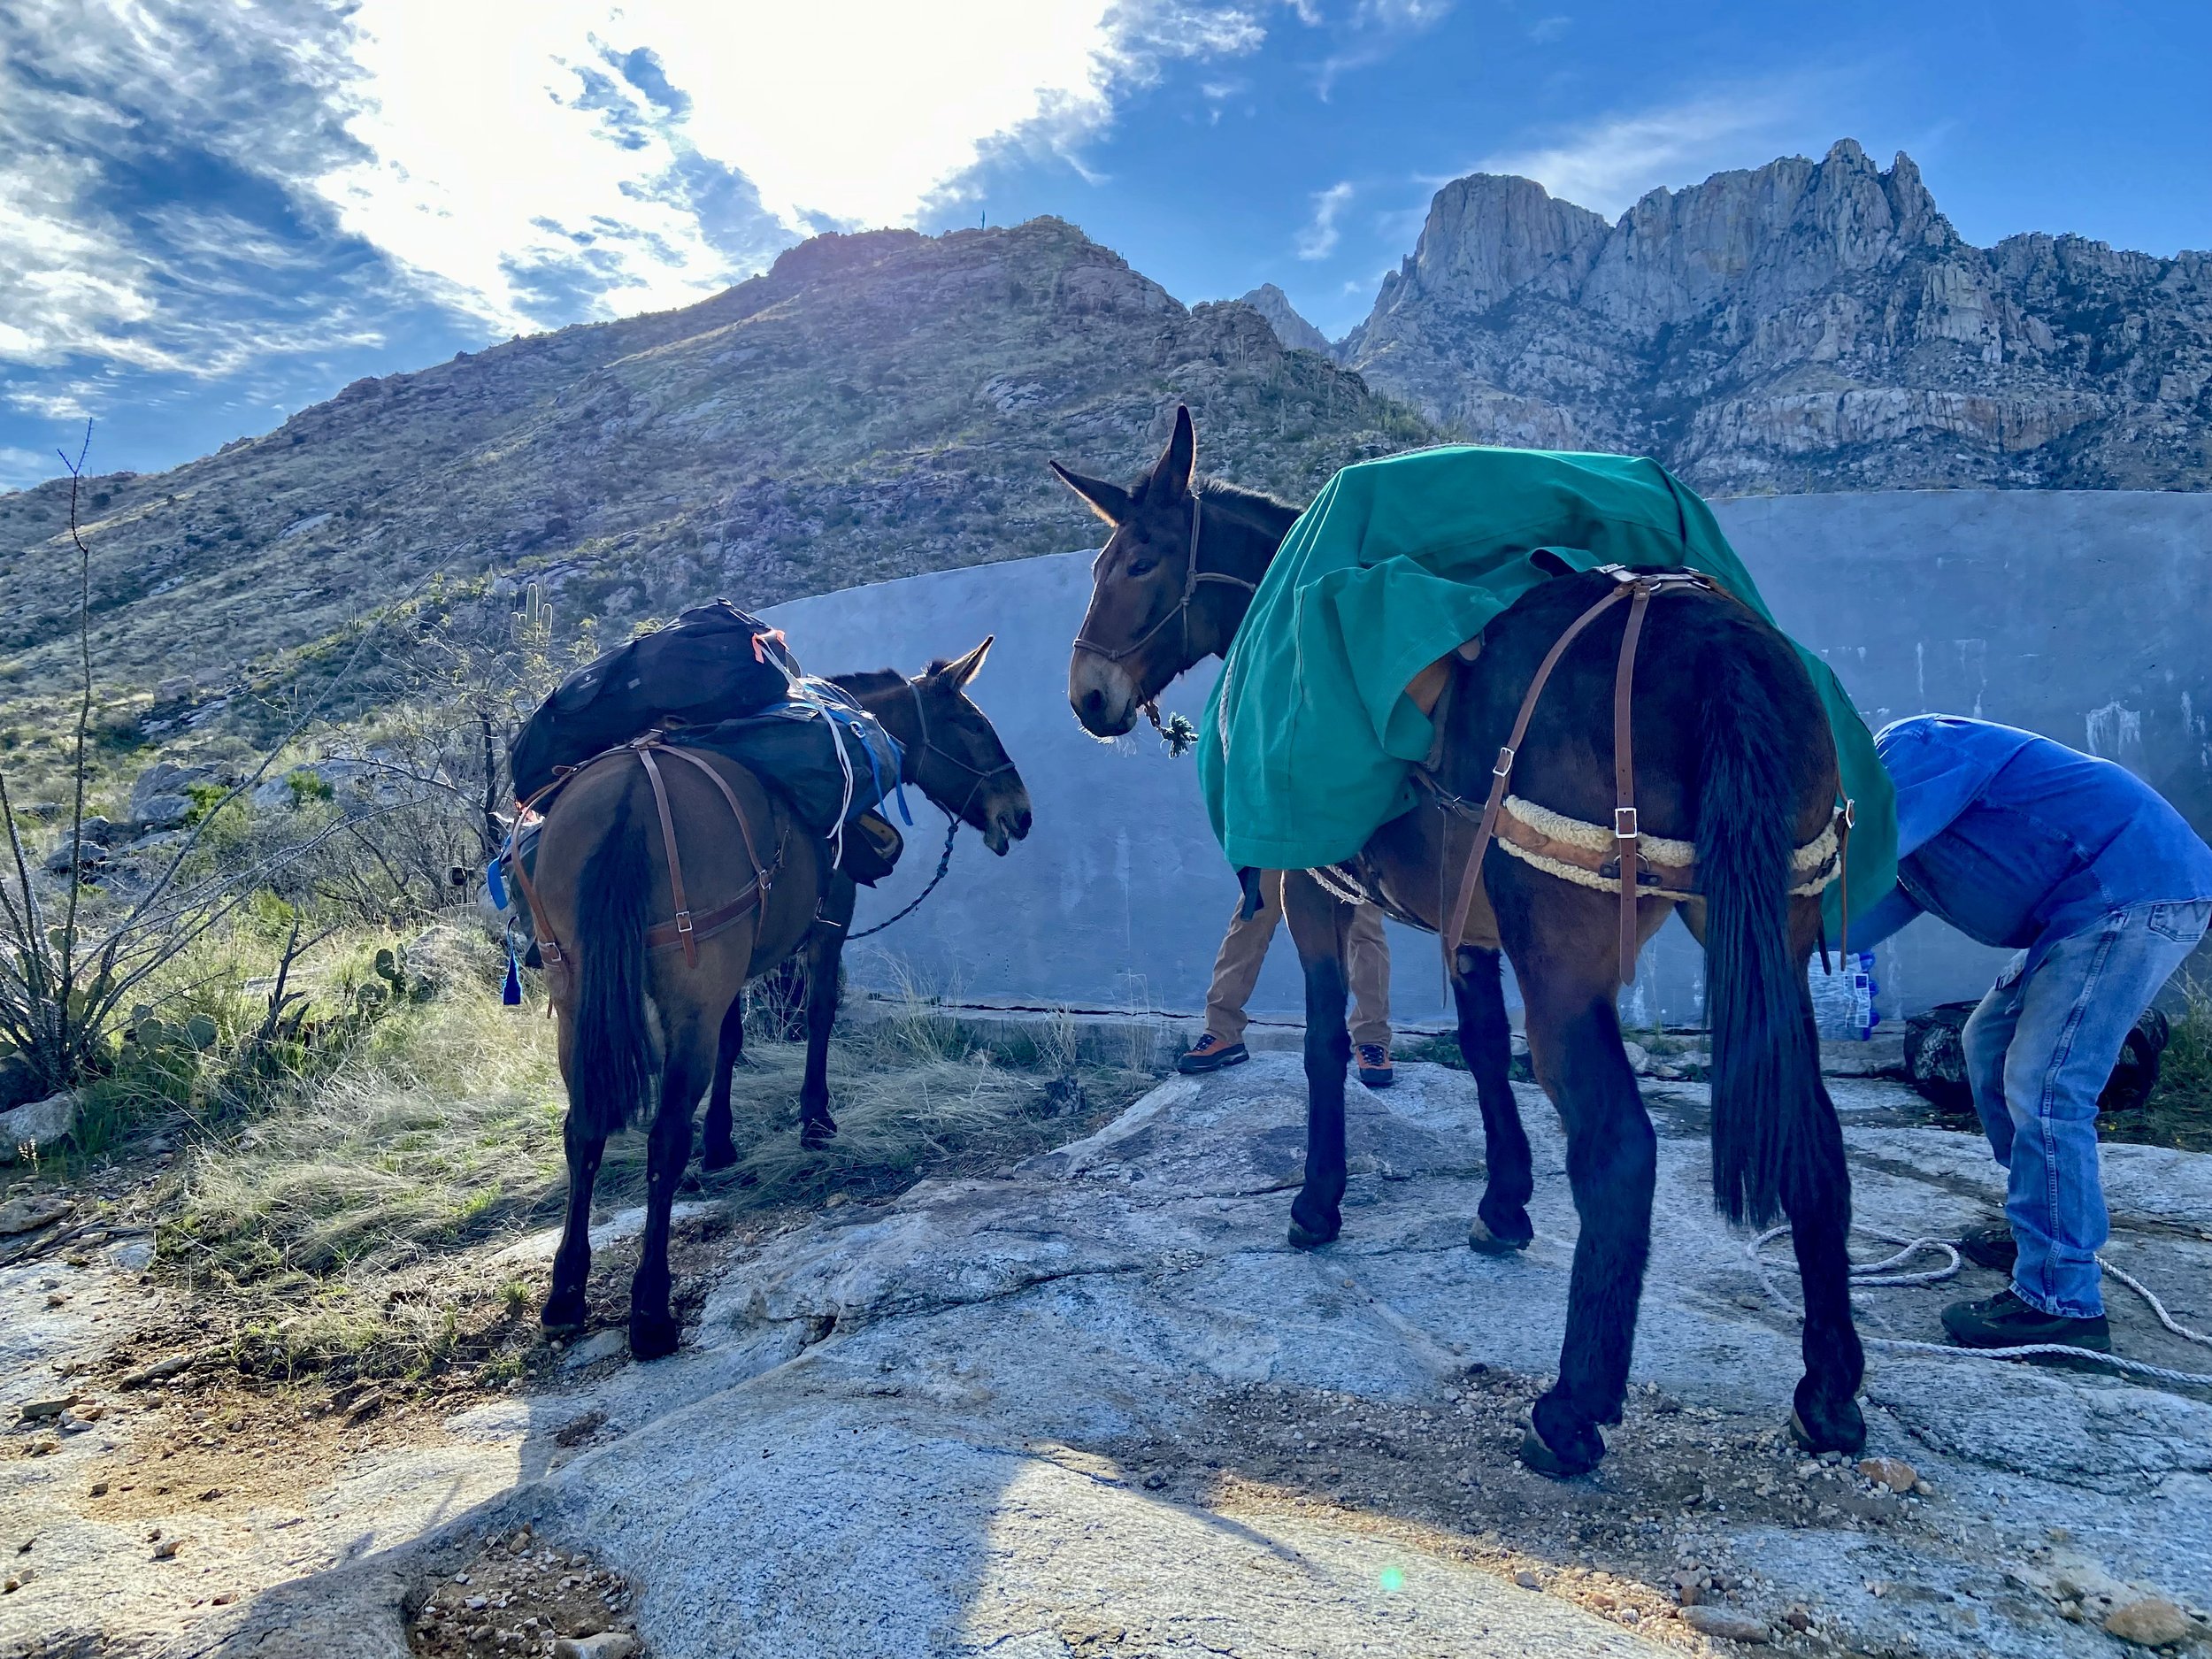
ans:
(1875, 1275)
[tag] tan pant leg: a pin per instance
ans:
(1369, 969)
(1237, 964)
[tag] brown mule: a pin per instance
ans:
(1732, 754)
(637, 997)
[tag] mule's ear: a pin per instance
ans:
(1176, 469)
(1109, 502)
(962, 670)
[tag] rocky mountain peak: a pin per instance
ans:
(1292, 329)
(1490, 236)
(1803, 325)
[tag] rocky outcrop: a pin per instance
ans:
(1804, 326)
(1292, 329)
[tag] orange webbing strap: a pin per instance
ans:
(1455, 924)
(675, 864)
(1626, 834)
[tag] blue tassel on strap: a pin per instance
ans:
(511, 993)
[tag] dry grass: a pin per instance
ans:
(349, 1225)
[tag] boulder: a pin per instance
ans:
(40, 1124)
(30, 1213)
(158, 799)
(2153, 1621)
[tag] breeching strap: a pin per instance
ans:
(1638, 588)
(686, 930)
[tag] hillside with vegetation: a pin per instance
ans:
(874, 406)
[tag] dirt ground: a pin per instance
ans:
(517, 1595)
(1446, 1478)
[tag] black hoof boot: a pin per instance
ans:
(1557, 1448)
(719, 1155)
(1821, 1425)
(1490, 1240)
(1312, 1234)
(652, 1335)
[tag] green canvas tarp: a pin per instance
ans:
(1308, 741)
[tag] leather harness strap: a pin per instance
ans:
(1637, 587)
(675, 864)
(687, 929)
(1455, 924)
(1626, 834)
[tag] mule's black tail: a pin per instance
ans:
(1765, 1074)
(610, 1055)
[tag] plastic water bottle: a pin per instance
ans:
(1845, 1005)
(1859, 975)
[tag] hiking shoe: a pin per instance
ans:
(1991, 1248)
(2005, 1321)
(1374, 1065)
(1210, 1054)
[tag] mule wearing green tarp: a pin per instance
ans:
(1309, 740)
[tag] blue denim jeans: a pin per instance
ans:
(2039, 1051)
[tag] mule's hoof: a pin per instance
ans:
(1304, 1238)
(1538, 1455)
(1480, 1238)
(562, 1316)
(1846, 1433)
(652, 1337)
(721, 1158)
(815, 1136)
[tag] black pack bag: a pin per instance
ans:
(713, 663)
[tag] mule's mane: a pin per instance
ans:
(1257, 508)
(869, 680)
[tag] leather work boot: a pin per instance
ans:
(2005, 1321)
(1375, 1069)
(1210, 1054)
(1991, 1248)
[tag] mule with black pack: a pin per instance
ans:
(668, 872)
(1583, 695)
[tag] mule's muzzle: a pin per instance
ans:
(1102, 697)
(1009, 822)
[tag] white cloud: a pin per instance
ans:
(104, 257)
(1611, 164)
(20, 469)
(526, 161)
(855, 114)
(1318, 239)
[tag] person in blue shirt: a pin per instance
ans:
(2103, 890)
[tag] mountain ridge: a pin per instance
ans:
(1798, 325)
(872, 405)
(882, 403)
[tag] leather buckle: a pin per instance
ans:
(1624, 824)
(683, 921)
(1504, 768)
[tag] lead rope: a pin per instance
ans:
(944, 863)
(1874, 1275)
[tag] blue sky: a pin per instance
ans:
(214, 213)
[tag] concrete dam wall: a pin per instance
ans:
(2083, 615)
